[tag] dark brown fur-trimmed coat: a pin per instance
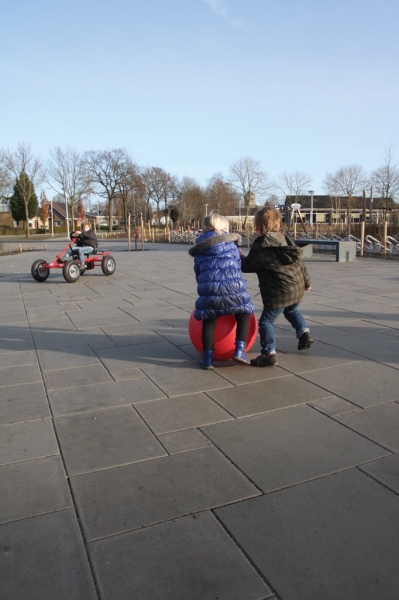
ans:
(282, 275)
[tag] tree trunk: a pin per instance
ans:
(110, 215)
(26, 219)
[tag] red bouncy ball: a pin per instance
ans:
(225, 335)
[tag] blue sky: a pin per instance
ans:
(193, 85)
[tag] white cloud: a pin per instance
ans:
(220, 8)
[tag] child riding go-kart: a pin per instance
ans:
(68, 260)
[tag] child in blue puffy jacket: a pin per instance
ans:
(221, 288)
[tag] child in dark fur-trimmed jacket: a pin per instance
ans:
(221, 288)
(283, 279)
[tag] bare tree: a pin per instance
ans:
(222, 197)
(160, 186)
(66, 170)
(190, 201)
(107, 170)
(126, 190)
(23, 167)
(250, 182)
(293, 183)
(5, 179)
(385, 179)
(44, 209)
(347, 181)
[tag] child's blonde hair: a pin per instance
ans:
(268, 220)
(215, 222)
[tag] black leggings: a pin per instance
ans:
(208, 330)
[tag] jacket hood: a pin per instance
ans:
(203, 245)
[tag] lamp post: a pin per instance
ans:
(65, 190)
(311, 192)
(52, 214)
(206, 210)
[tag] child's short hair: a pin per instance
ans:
(86, 224)
(215, 222)
(268, 220)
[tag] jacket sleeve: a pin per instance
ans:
(305, 275)
(251, 263)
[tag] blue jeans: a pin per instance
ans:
(267, 318)
(82, 251)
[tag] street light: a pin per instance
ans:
(311, 192)
(206, 210)
(65, 190)
(52, 214)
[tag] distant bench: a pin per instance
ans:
(344, 251)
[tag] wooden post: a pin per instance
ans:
(136, 235)
(294, 230)
(384, 249)
(362, 232)
(128, 232)
(303, 224)
(364, 208)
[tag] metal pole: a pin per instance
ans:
(311, 192)
(128, 232)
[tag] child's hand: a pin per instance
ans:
(308, 289)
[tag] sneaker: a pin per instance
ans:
(264, 360)
(305, 341)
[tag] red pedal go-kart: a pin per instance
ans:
(71, 268)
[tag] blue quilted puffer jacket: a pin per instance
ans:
(221, 288)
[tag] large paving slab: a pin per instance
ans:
(201, 562)
(285, 447)
(33, 487)
(30, 373)
(377, 423)
(23, 402)
(184, 378)
(24, 441)
(67, 357)
(75, 377)
(18, 358)
(365, 383)
(143, 355)
(264, 396)
(371, 345)
(332, 538)
(105, 438)
(385, 470)
(36, 566)
(98, 317)
(52, 340)
(182, 412)
(103, 395)
(141, 494)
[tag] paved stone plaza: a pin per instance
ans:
(128, 472)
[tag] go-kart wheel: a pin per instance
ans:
(71, 271)
(40, 273)
(108, 265)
